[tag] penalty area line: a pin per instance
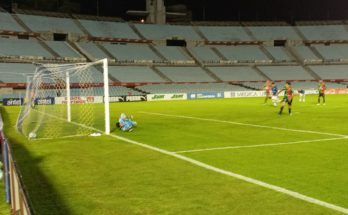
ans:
(243, 124)
(258, 145)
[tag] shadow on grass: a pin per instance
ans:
(43, 196)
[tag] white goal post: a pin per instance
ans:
(66, 100)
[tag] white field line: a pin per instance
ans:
(259, 145)
(225, 172)
(244, 124)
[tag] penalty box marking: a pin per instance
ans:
(259, 145)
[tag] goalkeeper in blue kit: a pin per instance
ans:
(126, 123)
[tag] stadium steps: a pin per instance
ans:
(267, 53)
(196, 29)
(251, 35)
(210, 73)
(158, 72)
(110, 56)
(218, 53)
(312, 73)
(316, 52)
(299, 33)
(137, 32)
(81, 27)
(257, 70)
(300, 62)
(21, 23)
(294, 55)
(75, 46)
(157, 53)
(247, 87)
(49, 49)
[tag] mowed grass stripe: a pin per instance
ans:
(243, 124)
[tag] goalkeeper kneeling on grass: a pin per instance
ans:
(126, 123)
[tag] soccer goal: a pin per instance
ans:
(66, 100)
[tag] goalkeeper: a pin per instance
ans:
(126, 123)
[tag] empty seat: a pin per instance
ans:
(109, 29)
(331, 71)
(134, 74)
(163, 32)
(324, 32)
(243, 53)
(63, 49)
(279, 53)
(131, 52)
(173, 53)
(286, 72)
(92, 50)
(15, 47)
(274, 33)
(203, 53)
(186, 74)
(50, 24)
(236, 73)
(7, 23)
(225, 33)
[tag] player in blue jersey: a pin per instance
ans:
(126, 123)
(274, 94)
(302, 94)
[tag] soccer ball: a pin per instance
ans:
(32, 135)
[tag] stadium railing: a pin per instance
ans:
(16, 194)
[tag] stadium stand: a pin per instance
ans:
(331, 71)
(163, 32)
(7, 23)
(216, 62)
(333, 52)
(108, 29)
(324, 32)
(236, 73)
(173, 53)
(280, 54)
(225, 33)
(15, 72)
(204, 54)
(305, 54)
(243, 53)
(91, 50)
(131, 52)
(18, 47)
(63, 49)
(186, 74)
(49, 24)
(286, 72)
(266, 33)
(190, 88)
(134, 74)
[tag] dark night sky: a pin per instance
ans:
(233, 10)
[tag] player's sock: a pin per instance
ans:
(281, 110)
(289, 111)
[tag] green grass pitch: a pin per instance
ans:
(104, 175)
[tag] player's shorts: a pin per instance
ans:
(287, 100)
(321, 94)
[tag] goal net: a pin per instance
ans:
(66, 100)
